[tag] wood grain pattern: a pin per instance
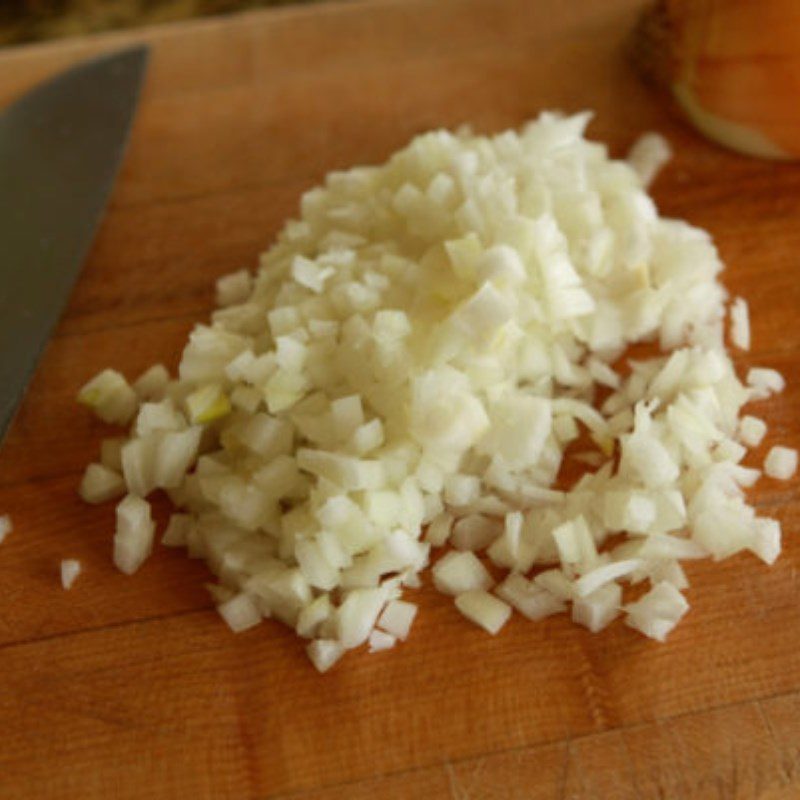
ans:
(131, 687)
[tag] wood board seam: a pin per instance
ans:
(100, 628)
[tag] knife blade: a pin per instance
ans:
(61, 145)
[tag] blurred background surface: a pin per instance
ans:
(36, 20)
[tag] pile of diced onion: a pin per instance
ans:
(420, 362)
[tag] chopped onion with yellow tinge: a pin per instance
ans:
(422, 359)
(110, 397)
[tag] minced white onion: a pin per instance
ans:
(407, 371)
(764, 382)
(752, 430)
(648, 156)
(781, 463)
(740, 324)
(70, 569)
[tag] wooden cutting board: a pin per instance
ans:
(131, 687)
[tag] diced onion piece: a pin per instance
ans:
(175, 453)
(234, 288)
(100, 484)
(740, 324)
(555, 582)
(502, 265)
(317, 569)
(632, 511)
(662, 569)
(240, 612)
(474, 532)
(646, 458)
(529, 598)
(657, 612)
(345, 471)
(482, 315)
(284, 592)
(6, 526)
(324, 653)
(603, 374)
(565, 428)
(483, 609)
(509, 550)
(764, 382)
(380, 640)
(152, 384)
(133, 540)
(590, 582)
(766, 542)
(246, 398)
(397, 618)
(781, 463)
(138, 464)
(207, 404)
(519, 429)
(110, 397)
(597, 610)
(368, 437)
(162, 416)
(111, 453)
(461, 490)
(456, 573)
(574, 542)
(70, 569)
(357, 615)
(314, 615)
(752, 430)
(310, 274)
(439, 530)
(648, 155)
(347, 414)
